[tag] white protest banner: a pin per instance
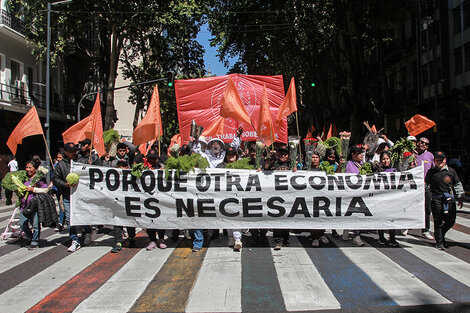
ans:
(226, 198)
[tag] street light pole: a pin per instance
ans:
(48, 75)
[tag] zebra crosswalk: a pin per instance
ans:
(216, 279)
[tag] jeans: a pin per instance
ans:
(198, 237)
(73, 229)
(427, 209)
(34, 221)
(152, 233)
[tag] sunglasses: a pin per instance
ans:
(424, 143)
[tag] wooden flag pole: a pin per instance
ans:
(48, 152)
(298, 134)
(271, 132)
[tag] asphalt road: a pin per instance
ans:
(337, 277)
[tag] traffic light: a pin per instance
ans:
(169, 78)
(312, 84)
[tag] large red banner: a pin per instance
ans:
(199, 99)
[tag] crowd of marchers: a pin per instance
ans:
(443, 192)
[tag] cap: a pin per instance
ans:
(85, 141)
(202, 139)
(356, 149)
(231, 150)
(439, 155)
(411, 138)
(152, 153)
(424, 139)
(282, 148)
(121, 145)
(214, 140)
(70, 146)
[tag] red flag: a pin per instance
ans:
(150, 127)
(330, 132)
(90, 127)
(265, 125)
(289, 104)
(145, 147)
(323, 134)
(28, 126)
(216, 128)
(310, 132)
(418, 124)
(373, 128)
(232, 106)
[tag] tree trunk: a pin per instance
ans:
(116, 44)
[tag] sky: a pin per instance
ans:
(210, 58)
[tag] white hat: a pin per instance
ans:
(202, 139)
(411, 138)
(214, 140)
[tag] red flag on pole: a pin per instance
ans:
(289, 104)
(216, 128)
(373, 128)
(418, 124)
(150, 127)
(28, 126)
(323, 133)
(90, 127)
(335, 131)
(232, 106)
(265, 125)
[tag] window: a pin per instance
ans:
(425, 75)
(456, 19)
(466, 14)
(467, 57)
(458, 61)
(30, 81)
(424, 42)
(15, 72)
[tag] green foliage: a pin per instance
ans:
(335, 143)
(14, 181)
(185, 163)
(110, 136)
(366, 169)
(137, 169)
(401, 146)
(241, 164)
(327, 168)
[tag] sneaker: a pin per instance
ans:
(440, 246)
(345, 235)
(324, 240)
(315, 243)
(278, 246)
(74, 246)
(117, 247)
(404, 232)
(357, 241)
(162, 245)
(32, 247)
(186, 234)
(394, 243)
(238, 245)
(444, 242)
(382, 241)
(60, 227)
(196, 249)
(231, 242)
(87, 240)
(152, 245)
(427, 235)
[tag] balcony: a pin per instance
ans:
(9, 20)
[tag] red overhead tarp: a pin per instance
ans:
(200, 98)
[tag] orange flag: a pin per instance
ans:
(265, 125)
(373, 128)
(418, 124)
(214, 129)
(150, 127)
(90, 127)
(232, 105)
(28, 126)
(330, 132)
(323, 133)
(335, 131)
(145, 147)
(289, 104)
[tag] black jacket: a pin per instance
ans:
(61, 170)
(46, 210)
